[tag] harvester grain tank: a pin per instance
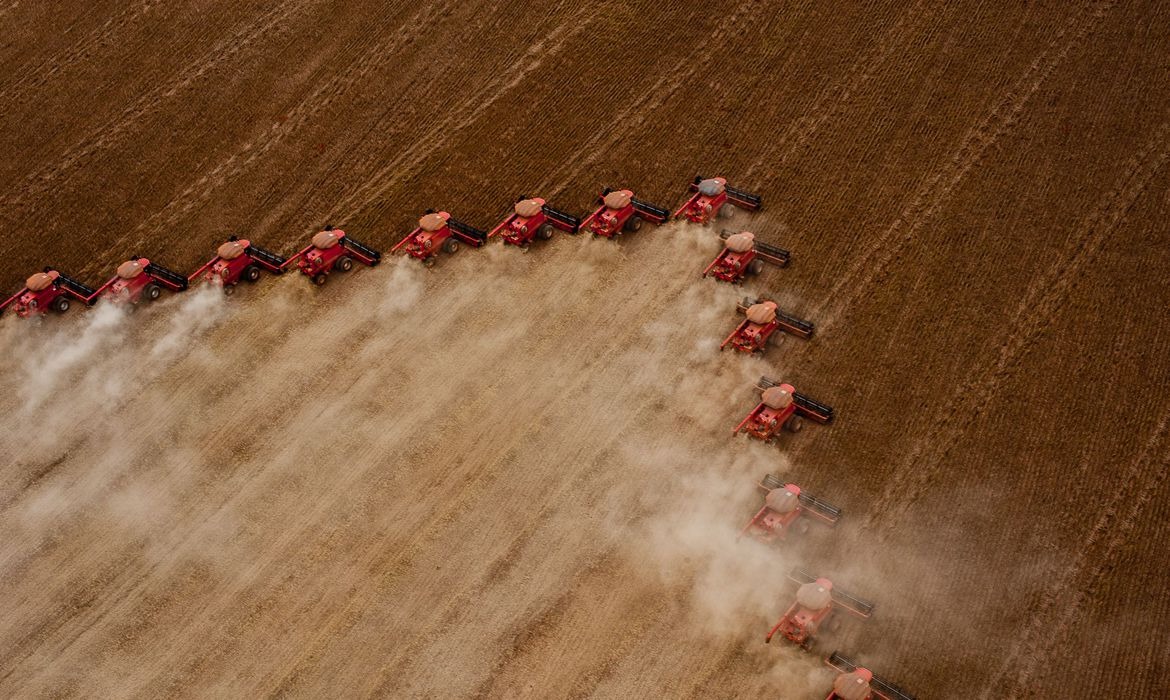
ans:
(816, 599)
(743, 255)
(855, 682)
(331, 250)
(533, 218)
(438, 231)
(236, 260)
(781, 408)
(620, 211)
(48, 290)
(140, 280)
(709, 198)
(787, 506)
(762, 321)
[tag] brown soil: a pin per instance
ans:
(513, 475)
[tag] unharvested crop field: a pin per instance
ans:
(512, 475)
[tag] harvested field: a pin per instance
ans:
(512, 475)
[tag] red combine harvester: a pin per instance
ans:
(858, 683)
(46, 291)
(620, 211)
(138, 279)
(743, 255)
(238, 259)
(709, 197)
(331, 249)
(438, 230)
(533, 218)
(781, 408)
(758, 330)
(783, 505)
(815, 600)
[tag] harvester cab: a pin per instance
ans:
(855, 682)
(331, 250)
(743, 255)
(533, 218)
(238, 259)
(139, 279)
(785, 505)
(439, 230)
(815, 600)
(620, 210)
(46, 291)
(762, 320)
(781, 408)
(709, 199)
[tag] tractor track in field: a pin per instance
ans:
(318, 100)
(267, 27)
(830, 101)
(872, 263)
(37, 77)
(409, 161)
(913, 476)
(1066, 597)
(647, 101)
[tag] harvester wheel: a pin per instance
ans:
(545, 232)
(450, 246)
(319, 278)
(251, 273)
(60, 305)
(151, 292)
(755, 267)
(634, 223)
(725, 212)
(229, 289)
(794, 424)
(429, 262)
(343, 264)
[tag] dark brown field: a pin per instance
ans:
(512, 475)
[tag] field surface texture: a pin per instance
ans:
(513, 475)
